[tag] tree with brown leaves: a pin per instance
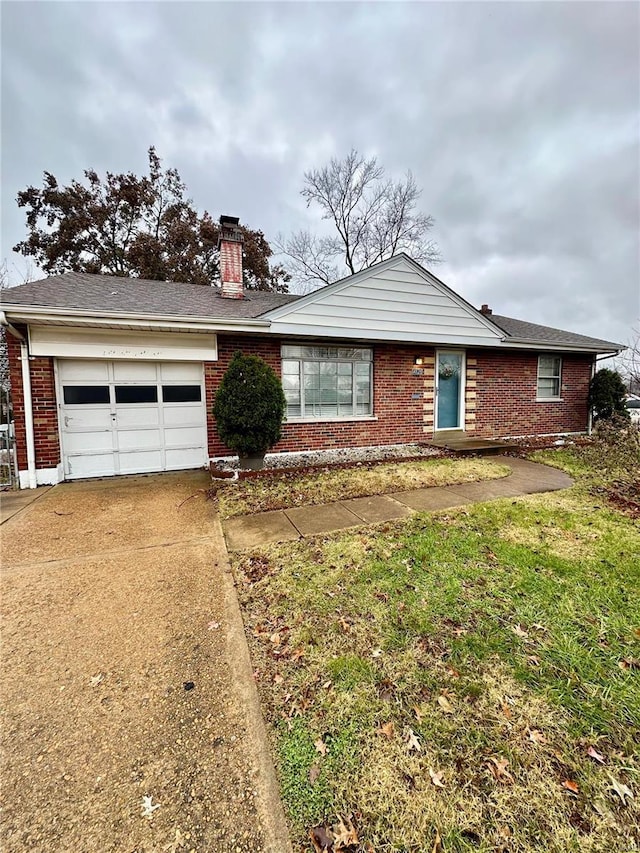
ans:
(127, 225)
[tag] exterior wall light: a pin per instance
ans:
(418, 360)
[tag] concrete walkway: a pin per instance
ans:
(255, 530)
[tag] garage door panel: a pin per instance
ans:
(182, 415)
(78, 418)
(90, 465)
(89, 442)
(184, 437)
(134, 371)
(139, 439)
(77, 371)
(137, 417)
(185, 458)
(182, 372)
(141, 462)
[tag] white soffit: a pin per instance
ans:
(119, 344)
(394, 301)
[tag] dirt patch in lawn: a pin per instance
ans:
(283, 491)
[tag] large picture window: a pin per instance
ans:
(327, 382)
(549, 377)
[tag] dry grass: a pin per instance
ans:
(522, 614)
(282, 491)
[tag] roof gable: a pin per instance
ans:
(396, 300)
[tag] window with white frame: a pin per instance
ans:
(549, 377)
(327, 382)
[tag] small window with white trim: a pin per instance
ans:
(327, 382)
(549, 377)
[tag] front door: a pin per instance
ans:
(449, 389)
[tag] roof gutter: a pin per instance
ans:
(11, 329)
(560, 347)
(75, 316)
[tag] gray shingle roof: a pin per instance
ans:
(98, 293)
(520, 330)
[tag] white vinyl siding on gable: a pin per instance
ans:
(394, 301)
(549, 377)
(322, 382)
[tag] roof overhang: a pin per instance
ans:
(46, 316)
(555, 346)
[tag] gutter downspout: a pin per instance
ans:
(590, 415)
(28, 414)
(28, 405)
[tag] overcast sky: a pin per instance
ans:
(519, 121)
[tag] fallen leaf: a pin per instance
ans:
(437, 844)
(533, 660)
(320, 746)
(345, 835)
(387, 730)
(452, 672)
(277, 678)
(326, 685)
(498, 767)
(536, 736)
(296, 654)
(213, 626)
(444, 703)
(592, 752)
(571, 786)
(178, 841)
(376, 653)
(275, 639)
(321, 838)
(622, 790)
(412, 741)
(436, 778)
(148, 806)
(519, 631)
(629, 663)
(636, 631)
(96, 679)
(314, 772)
(418, 713)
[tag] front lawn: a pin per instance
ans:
(280, 491)
(464, 681)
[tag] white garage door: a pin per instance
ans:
(124, 417)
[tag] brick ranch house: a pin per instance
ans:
(117, 376)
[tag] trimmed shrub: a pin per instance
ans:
(607, 395)
(249, 406)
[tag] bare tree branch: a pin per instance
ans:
(374, 217)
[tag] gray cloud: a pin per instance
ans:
(520, 121)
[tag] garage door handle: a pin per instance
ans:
(67, 419)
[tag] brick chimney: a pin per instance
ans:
(486, 310)
(230, 244)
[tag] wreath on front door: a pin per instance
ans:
(446, 371)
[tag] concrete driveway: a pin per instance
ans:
(125, 676)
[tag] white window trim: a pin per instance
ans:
(547, 399)
(308, 419)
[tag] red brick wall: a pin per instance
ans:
(505, 402)
(399, 417)
(506, 395)
(45, 412)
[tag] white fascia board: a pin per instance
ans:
(72, 316)
(390, 263)
(547, 346)
(290, 329)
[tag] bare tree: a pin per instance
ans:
(374, 218)
(630, 362)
